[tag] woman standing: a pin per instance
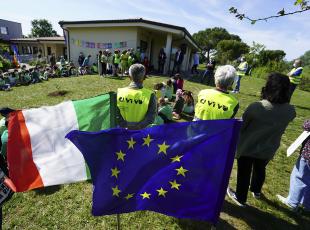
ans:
(264, 122)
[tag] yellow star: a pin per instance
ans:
(181, 171)
(163, 148)
(130, 195)
(176, 158)
(174, 184)
(131, 143)
(115, 172)
(145, 195)
(116, 191)
(161, 192)
(120, 155)
(147, 140)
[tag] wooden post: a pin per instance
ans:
(118, 217)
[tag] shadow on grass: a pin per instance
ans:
(116, 77)
(255, 218)
(187, 224)
(48, 190)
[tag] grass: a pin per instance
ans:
(68, 206)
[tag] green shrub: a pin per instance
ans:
(35, 62)
(6, 64)
(273, 66)
(305, 81)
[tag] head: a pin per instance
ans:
(297, 63)
(100, 52)
(169, 82)
(179, 93)
(224, 77)
(89, 56)
(242, 59)
(276, 89)
(188, 97)
(177, 76)
(158, 86)
(161, 101)
(4, 111)
(136, 73)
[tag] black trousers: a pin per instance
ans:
(250, 169)
(292, 89)
(103, 68)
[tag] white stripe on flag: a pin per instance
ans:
(57, 159)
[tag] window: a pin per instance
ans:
(35, 50)
(4, 30)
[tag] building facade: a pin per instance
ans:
(9, 30)
(149, 37)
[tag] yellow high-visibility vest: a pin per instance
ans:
(213, 104)
(295, 79)
(242, 68)
(117, 58)
(133, 103)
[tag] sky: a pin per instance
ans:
(290, 33)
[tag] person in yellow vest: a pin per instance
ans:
(217, 103)
(241, 70)
(116, 61)
(136, 106)
(295, 76)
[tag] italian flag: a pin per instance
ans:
(39, 155)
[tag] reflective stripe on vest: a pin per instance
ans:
(213, 104)
(295, 79)
(133, 103)
(242, 68)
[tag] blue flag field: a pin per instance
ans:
(180, 169)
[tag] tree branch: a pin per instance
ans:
(281, 13)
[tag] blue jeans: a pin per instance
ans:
(300, 184)
(238, 79)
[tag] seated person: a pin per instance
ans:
(178, 105)
(27, 78)
(35, 75)
(164, 110)
(169, 90)
(72, 70)
(3, 85)
(159, 90)
(189, 105)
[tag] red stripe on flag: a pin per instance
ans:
(22, 170)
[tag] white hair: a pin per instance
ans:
(224, 76)
(137, 72)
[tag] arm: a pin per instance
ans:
(297, 73)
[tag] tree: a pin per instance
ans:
(302, 4)
(267, 56)
(229, 50)
(210, 37)
(306, 58)
(42, 28)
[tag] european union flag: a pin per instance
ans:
(180, 169)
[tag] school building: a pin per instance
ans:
(148, 36)
(39, 48)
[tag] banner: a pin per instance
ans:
(98, 45)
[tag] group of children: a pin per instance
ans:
(173, 101)
(120, 61)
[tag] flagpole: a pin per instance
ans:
(118, 217)
(213, 227)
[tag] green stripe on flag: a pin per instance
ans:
(95, 114)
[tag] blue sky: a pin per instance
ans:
(291, 33)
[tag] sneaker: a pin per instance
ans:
(256, 195)
(232, 195)
(284, 201)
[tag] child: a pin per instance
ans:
(56, 71)
(179, 82)
(3, 85)
(124, 62)
(72, 70)
(179, 104)
(159, 90)
(27, 78)
(164, 110)
(35, 75)
(46, 74)
(13, 77)
(188, 107)
(169, 90)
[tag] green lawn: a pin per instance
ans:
(68, 206)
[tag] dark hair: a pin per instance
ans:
(188, 97)
(276, 89)
(158, 86)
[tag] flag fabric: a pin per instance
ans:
(39, 155)
(179, 169)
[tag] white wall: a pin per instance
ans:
(100, 35)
